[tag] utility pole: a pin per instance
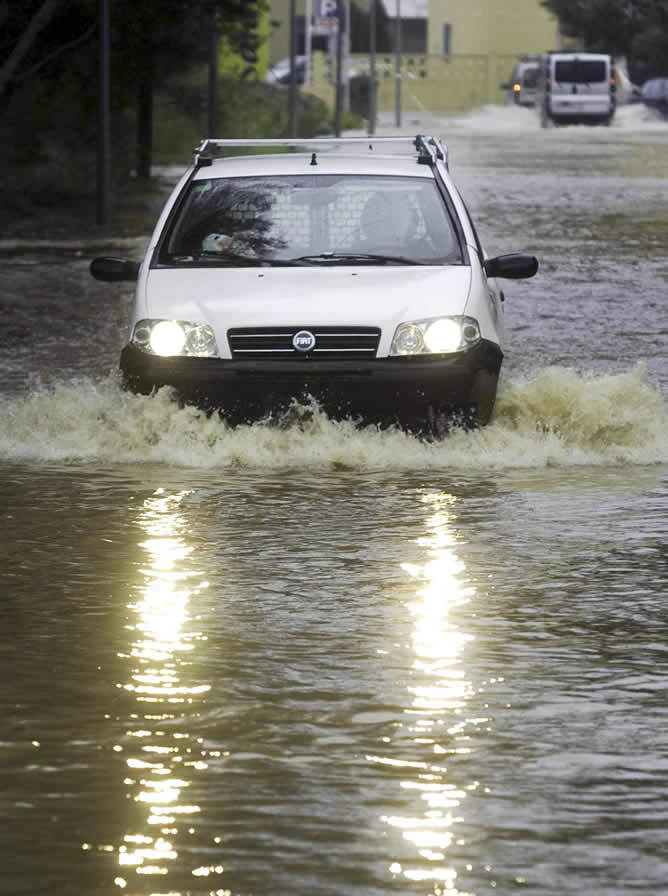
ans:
(213, 79)
(308, 74)
(397, 75)
(346, 67)
(339, 59)
(292, 87)
(104, 119)
(372, 67)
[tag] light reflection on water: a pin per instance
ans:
(437, 715)
(163, 635)
(163, 754)
(351, 743)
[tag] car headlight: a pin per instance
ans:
(435, 336)
(175, 337)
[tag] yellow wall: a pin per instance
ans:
(504, 27)
(279, 38)
(430, 83)
(487, 38)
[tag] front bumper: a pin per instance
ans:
(411, 392)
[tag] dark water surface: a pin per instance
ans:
(314, 660)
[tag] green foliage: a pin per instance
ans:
(151, 42)
(651, 46)
(48, 109)
(637, 29)
(359, 28)
(250, 109)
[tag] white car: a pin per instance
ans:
(521, 89)
(349, 274)
(280, 73)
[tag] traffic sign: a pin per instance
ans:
(327, 14)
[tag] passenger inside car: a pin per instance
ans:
(293, 216)
(390, 224)
(222, 242)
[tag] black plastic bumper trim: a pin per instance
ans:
(401, 390)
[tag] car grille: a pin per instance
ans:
(331, 343)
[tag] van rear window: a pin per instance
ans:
(579, 71)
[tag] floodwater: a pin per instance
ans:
(319, 661)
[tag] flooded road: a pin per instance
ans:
(318, 660)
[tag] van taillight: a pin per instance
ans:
(548, 84)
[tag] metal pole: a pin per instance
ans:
(372, 67)
(397, 49)
(104, 119)
(339, 55)
(346, 68)
(213, 80)
(292, 87)
(308, 75)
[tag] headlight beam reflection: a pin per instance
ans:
(162, 640)
(438, 699)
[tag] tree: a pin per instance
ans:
(637, 29)
(36, 23)
(650, 43)
(359, 29)
(48, 80)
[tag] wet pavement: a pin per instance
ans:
(320, 660)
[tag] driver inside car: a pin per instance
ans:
(389, 225)
(222, 242)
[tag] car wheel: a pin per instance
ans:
(440, 423)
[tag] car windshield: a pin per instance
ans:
(530, 77)
(579, 71)
(312, 219)
(655, 89)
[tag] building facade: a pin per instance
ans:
(490, 26)
(468, 49)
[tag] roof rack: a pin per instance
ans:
(429, 150)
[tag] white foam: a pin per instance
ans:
(556, 418)
(511, 118)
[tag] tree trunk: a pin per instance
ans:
(145, 116)
(39, 21)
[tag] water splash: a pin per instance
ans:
(511, 118)
(558, 417)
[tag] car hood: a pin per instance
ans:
(304, 297)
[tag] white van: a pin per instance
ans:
(576, 88)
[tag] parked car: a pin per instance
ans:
(576, 88)
(350, 273)
(521, 88)
(654, 94)
(280, 72)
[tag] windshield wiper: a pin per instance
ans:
(355, 258)
(228, 258)
(216, 259)
(235, 259)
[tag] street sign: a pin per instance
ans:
(327, 14)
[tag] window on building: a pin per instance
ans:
(447, 39)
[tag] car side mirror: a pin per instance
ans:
(114, 269)
(511, 267)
